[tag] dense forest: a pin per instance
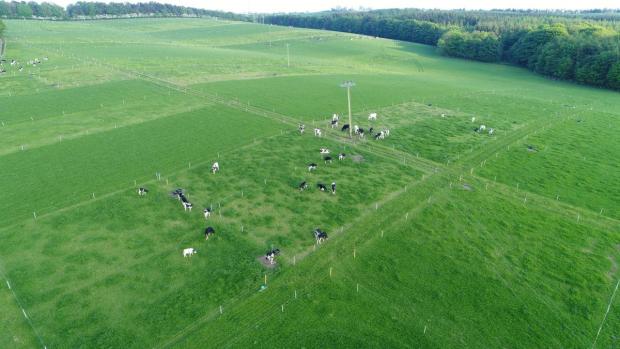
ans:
(581, 46)
(81, 9)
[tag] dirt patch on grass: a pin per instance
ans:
(357, 158)
(263, 260)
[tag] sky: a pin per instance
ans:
(245, 6)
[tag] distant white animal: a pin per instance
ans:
(188, 252)
(335, 117)
(491, 131)
(207, 212)
(215, 167)
(142, 191)
(324, 151)
(317, 132)
(482, 127)
(302, 128)
(372, 117)
(443, 115)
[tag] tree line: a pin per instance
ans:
(581, 46)
(82, 9)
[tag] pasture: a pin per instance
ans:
(439, 235)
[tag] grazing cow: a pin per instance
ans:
(208, 232)
(386, 132)
(142, 191)
(473, 119)
(13, 62)
(187, 206)
(360, 132)
(372, 117)
(477, 129)
(303, 186)
(345, 127)
(356, 129)
(341, 156)
(380, 135)
(443, 115)
(370, 130)
(334, 123)
(328, 159)
(333, 187)
(188, 252)
(311, 167)
(207, 212)
(215, 167)
(335, 117)
(483, 127)
(320, 235)
(324, 151)
(491, 131)
(271, 255)
(302, 128)
(317, 132)
(321, 186)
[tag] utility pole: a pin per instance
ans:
(288, 56)
(348, 85)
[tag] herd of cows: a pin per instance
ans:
(319, 235)
(17, 65)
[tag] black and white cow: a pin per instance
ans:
(356, 129)
(142, 191)
(311, 167)
(271, 255)
(335, 117)
(334, 123)
(341, 156)
(215, 167)
(208, 232)
(328, 159)
(207, 212)
(321, 186)
(320, 235)
(187, 206)
(360, 132)
(302, 128)
(372, 116)
(380, 135)
(324, 151)
(345, 127)
(303, 186)
(333, 187)
(317, 132)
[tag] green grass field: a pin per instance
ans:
(439, 236)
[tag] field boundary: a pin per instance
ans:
(21, 306)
